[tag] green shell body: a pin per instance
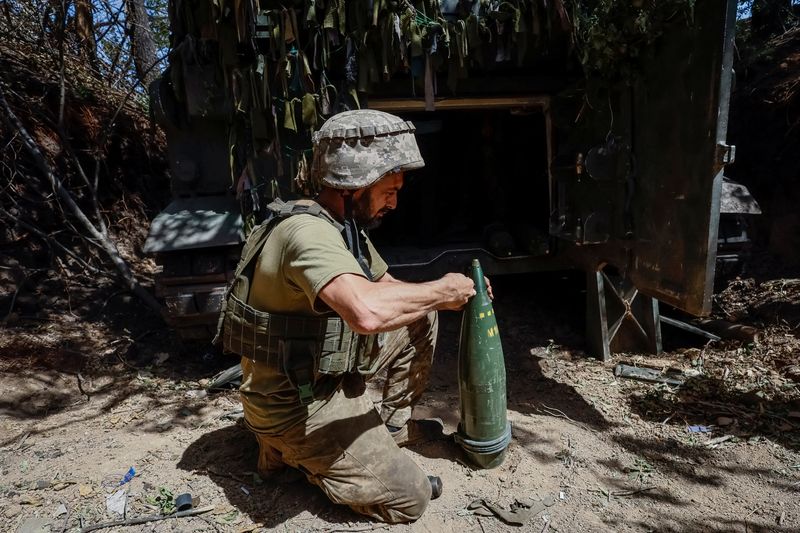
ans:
(484, 431)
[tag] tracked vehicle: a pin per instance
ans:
(556, 134)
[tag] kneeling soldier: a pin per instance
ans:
(313, 312)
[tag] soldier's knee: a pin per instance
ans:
(409, 504)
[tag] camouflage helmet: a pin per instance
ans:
(354, 149)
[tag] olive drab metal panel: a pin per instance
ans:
(679, 125)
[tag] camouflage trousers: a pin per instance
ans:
(345, 448)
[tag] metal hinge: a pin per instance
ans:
(726, 154)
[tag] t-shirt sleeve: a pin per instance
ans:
(377, 265)
(314, 254)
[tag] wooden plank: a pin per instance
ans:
(163, 279)
(175, 290)
(395, 105)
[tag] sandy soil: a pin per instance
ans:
(83, 401)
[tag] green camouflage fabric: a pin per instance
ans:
(354, 149)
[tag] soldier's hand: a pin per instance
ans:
(488, 288)
(457, 290)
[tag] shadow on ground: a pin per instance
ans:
(228, 456)
(705, 399)
(534, 314)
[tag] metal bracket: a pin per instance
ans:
(618, 317)
(726, 154)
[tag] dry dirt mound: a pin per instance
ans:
(99, 142)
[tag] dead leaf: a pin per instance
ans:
(85, 490)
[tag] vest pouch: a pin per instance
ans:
(368, 353)
(338, 348)
(231, 316)
(299, 360)
(246, 331)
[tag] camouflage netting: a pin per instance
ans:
(275, 71)
(612, 35)
(290, 66)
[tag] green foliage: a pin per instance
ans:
(157, 11)
(164, 500)
(640, 471)
(612, 36)
(759, 30)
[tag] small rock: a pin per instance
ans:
(35, 525)
(724, 421)
(85, 490)
(42, 484)
(36, 501)
(692, 353)
(13, 510)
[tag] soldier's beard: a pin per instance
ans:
(362, 209)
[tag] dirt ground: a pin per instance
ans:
(84, 400)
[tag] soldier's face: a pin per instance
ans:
(372, 203)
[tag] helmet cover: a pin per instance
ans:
(354, 149)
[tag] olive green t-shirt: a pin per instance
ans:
(302, 254)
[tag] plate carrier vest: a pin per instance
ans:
(299, 346)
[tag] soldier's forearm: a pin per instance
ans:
(374, 307)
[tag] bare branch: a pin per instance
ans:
(104, 242)
(149, 518)
(109, 25)
(48, 239)
(62, 64)
(91, 186)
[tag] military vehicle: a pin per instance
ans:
(557, 134)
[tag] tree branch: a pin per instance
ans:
(49, 240)
(150, 518)
(104, 242)
(62, 65)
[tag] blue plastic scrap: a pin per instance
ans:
(128, 476)
(698, 429)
